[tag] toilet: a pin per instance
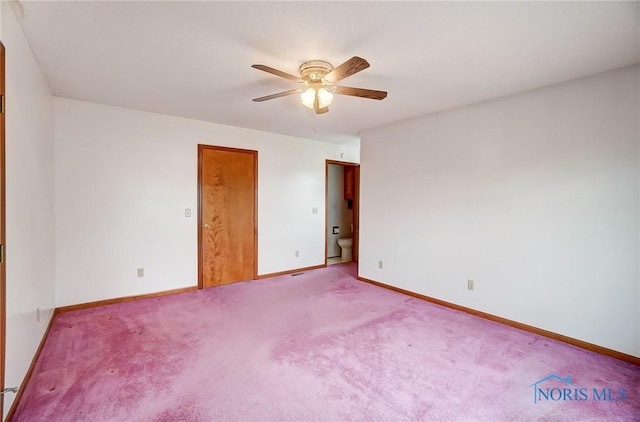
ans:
(345, 244)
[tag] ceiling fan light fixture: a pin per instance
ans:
(324, 97)
(308, 97)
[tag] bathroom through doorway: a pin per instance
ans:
(342, 191)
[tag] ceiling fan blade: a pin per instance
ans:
(361, 92)
(278, 95)
(348, 68)
(276, 72)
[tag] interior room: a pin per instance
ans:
(483, 158)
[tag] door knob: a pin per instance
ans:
(206, 226)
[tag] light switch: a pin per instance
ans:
(187, 212)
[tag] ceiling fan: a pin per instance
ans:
(318, 79)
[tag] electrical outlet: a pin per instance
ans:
(314, 210)
(140, 272)
(37, 314)
(297, 254)
(470, 285)
(380, 264)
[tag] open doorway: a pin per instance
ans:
(342, 191)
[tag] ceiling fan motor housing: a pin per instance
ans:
(313, 71)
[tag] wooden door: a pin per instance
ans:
(349, 181)
(227, 205)
(3, 290)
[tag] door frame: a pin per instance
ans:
(3, 265)
(356, 207)
(201, 148)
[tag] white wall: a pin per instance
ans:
(535, 197)
(29, 202)
(125, 177)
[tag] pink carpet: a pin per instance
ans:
(320, 346)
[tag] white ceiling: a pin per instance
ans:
(193, 59)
